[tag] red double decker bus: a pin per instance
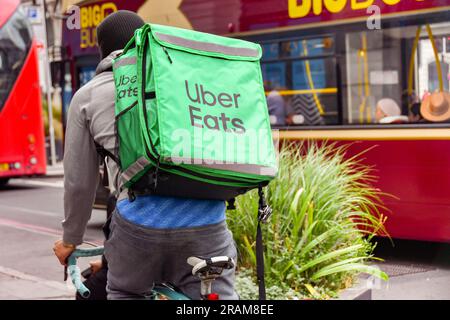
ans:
(22, 144)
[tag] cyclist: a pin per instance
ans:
(152, 236)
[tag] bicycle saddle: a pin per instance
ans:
(214, 264)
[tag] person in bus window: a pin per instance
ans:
(303, 111)
(411, 106)
(276, 104)
(388, 111)
(151, 236)
(414, 113)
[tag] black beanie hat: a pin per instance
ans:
(114, 32)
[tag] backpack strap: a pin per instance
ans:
(103, 153)
(231, 204)
(264, 212)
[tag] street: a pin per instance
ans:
(31, 211)
(416, 269)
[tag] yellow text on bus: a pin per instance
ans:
(301, 8)
(90, 18)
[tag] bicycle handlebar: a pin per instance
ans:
(74, 270)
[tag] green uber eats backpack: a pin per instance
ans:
(192, 119)
(191, 115)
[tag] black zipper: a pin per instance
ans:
(153, 158)
(126, 110)
(167, 54)
(144, 74)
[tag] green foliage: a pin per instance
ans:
(248, 290)
(325, 212)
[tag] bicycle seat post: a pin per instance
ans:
(208, 270)
(206, 285)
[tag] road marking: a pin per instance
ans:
(40, 212)
(31, 228)
(44, 230)
(44, 213)
(69, 290)
(57, 184)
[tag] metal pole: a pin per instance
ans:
(51, 129)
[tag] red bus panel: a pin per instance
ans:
(417, 173)
(8, 8)
(22, 145)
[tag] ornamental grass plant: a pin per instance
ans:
(318, 239)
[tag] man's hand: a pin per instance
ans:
(96, 265)
(62, 251)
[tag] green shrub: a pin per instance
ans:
(248, 290)
(325, 212)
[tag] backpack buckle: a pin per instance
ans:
(131, 195)
(264, 210)
(264, 213)
(137, 37)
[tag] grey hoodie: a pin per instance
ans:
(90, 120)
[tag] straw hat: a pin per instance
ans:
(436, 107)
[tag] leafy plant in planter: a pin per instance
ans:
(325, 212)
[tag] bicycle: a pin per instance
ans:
(206, 269)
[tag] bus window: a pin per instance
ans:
(300, 81)
(3, 70)
(428, 76)
(15, 40)
(313, 92)
(379, 86)
(274, 73)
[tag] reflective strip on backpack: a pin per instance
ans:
(244, 168)
(235, 167)
(125, 62)
(134, 169)
(207, 46)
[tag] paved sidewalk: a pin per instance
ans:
(429, 285)
(418, 270)
(56, 170)
(15, 285)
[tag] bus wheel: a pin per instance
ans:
(4, 182)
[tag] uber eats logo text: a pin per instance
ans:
(127, 87)
(206, 112)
